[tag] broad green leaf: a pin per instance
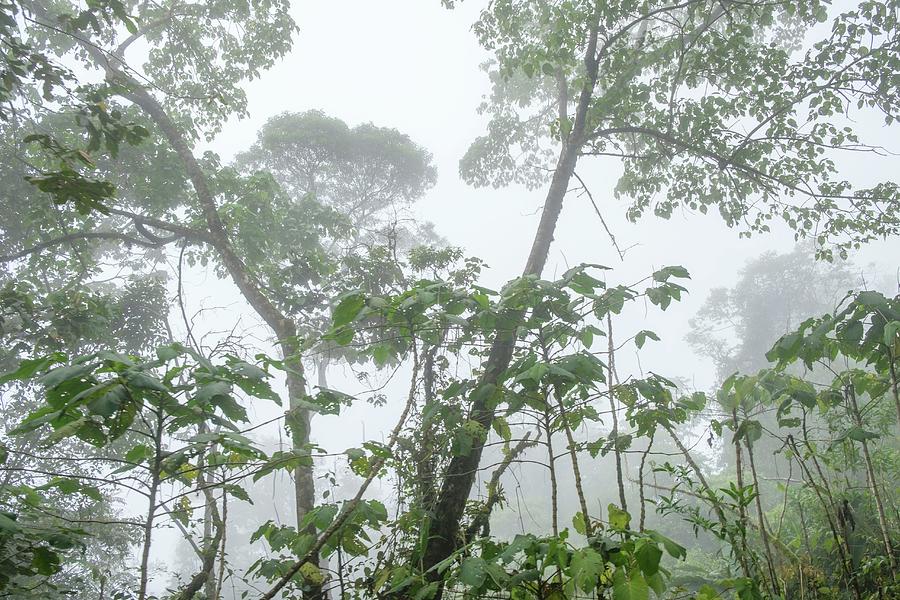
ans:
(586, 567)
(631, 586)
(347, 309)
(648, 556)
(473, 571)
(618, 518)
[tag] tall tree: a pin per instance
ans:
(274, 238)
(705, 103)
(369, 174)
(773, 294)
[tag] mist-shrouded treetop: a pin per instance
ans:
(369, 174)
(775, 292)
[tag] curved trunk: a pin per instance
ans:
(282, 326)
(460, 474)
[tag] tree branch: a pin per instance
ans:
(82, 235)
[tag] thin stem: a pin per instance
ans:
(611, 367)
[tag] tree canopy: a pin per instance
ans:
(128, 422)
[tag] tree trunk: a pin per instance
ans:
(151, 510)
(895, 385)
(551, 464)
(282, 326)
(739, 474)
(763, 531)
(612, 407)
(460, 474)
(873, 484)
(641, 497)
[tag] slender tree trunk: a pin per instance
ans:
(425, 453)
(322, 372)
(803, 528)
(763, 530)
(895, 384)
(282, 326)
(209, 588)
(873, 484)
(340, 573)
(612, 407)
(460, 474)
(641, 497)
(739, 474)
(573, 455)
(151, 510)
(551, 464)
(221, 578)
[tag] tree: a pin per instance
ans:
(270, 242)
(367, 173)
(635, 81)
(698, 99)
(774, 293)
(80, 539)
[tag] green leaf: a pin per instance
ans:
(347, 309)
(519, 544)
(853, 332)
(108, 403)
(858, 434)
(169, 352)
(61, 374)
(579, 523)
(143, 381)
(212, 389)
(618, 518)
(8, 522)
(586, 567)
(648, 556)
(473, 571)
(751, 430)
(139, 453)
(673, 548)
(673, 271)
(44, 560)
(501, 426)
(641, 337)
(633, 587)
(245, 369)
(29, 367)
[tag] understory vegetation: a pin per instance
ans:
(184, 335)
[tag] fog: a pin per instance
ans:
(272, 294)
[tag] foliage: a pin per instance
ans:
(705, 104)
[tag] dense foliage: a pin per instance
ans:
(124, 425)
